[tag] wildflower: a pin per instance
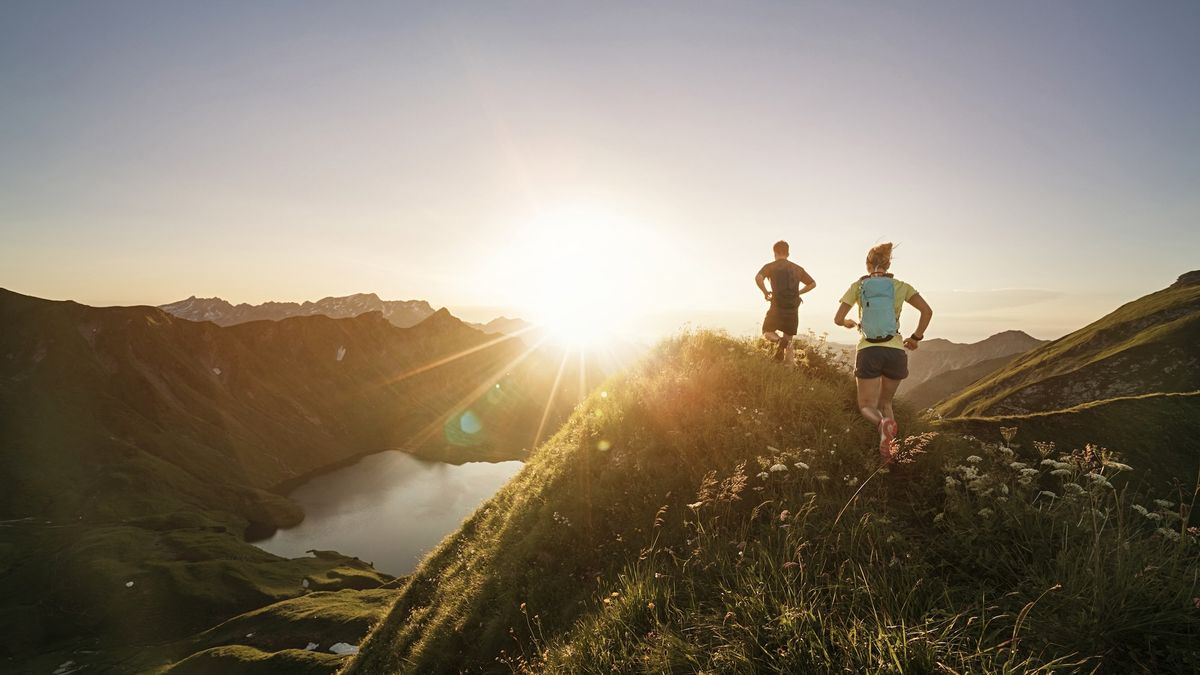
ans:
(649, 605)
(1025, 481)
(1061, 472)
(1099, 480)
(1168, 534)
(951, 483)
(1008, 433)
(1047, 494)
(822, 477)
(1073, 488)
(1109, 459)
(763, 475)
(1156, 517)
(939, 517)
(1044, 449)
(1164, 504)
(1029, 472)
(985, 512)
(974, 459)
(615, 594)
(784, 515)
(1049, 462)
(1017, 466)
(801, 465)
(1140, 509)
(776, 468)
(1003, 489)
(851, 480)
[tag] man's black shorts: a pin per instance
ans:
(871, 362)
(786, 321)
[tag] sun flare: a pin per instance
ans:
(580, 273)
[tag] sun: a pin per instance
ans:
(580, 273)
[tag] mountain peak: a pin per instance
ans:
(1187, 279)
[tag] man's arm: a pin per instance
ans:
(840, 318)
(809, 282)
(926, 315)
(758, 279)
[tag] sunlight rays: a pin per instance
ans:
(562, 365)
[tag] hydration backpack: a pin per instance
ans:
(877, 298)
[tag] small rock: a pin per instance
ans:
(304, 583)
(311, 646)
(342, 648)
(128, 584)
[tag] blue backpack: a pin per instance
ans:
(877, 299)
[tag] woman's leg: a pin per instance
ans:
(869, 391)
(887, 392)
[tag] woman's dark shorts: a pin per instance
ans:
(871, 362)
(786, 321)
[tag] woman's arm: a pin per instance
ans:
(840, 318)
(926, 315)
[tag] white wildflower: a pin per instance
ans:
(1164, 504)
(985, 512)
(1050, 462)
(1017, 466)
(1060, 472)
(1140, 509)
(801, 465)
(763, 475)
(1169, 534)
(776, 468)
(1003, 489)
(974, 459)
(939, 517)
(1118, 466)
(851, 480)
(1073, 488)
(1099, 480)
(1155, 517)
(951, 483)
(1030, 472)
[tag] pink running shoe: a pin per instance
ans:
(887, 437)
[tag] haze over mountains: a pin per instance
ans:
(401, 313)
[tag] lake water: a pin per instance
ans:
(389, 509)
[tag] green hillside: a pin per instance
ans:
(946, 384)
(710, 511)
(1158, 433)
(1146, 346)
(138, 448)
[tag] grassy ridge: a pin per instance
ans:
(1145, 346)
(714, 512)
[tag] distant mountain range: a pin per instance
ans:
(1148, 346)
(401, 313)
(937, 356)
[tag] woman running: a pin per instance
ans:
(881, 362)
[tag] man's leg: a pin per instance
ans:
(868, 399)
(789, 352)
(770, 336)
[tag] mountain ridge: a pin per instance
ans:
(401, 313)
(1148, 345)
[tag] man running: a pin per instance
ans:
(783, 318)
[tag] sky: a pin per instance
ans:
(1037, 163)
